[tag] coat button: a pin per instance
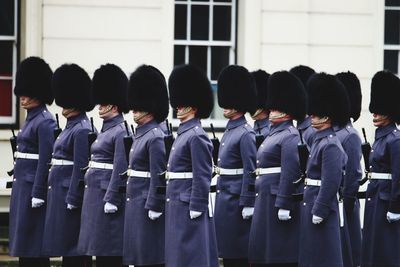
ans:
(127, 182)
(168, 199)
(127, 199)
(96, 141)
(223, 144)
(304, 203)
(49, 187)
(218, 191)
(262, 145)
(372, 150)
(86, 186)
(14, 179)
(305, 187)
(256, 194)
(369, 199)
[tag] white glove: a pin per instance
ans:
(71, 207)
(247, 212)
(284, 215)
(154, 215)
(37, 202)
(194, 214)
(110, 208)
(316, 219)
(392, 217)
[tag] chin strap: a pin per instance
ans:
(320, 121)
(381, 118)
(185, 111)
(109, 108)
(141, 115)
(230, 114)
(258, 112)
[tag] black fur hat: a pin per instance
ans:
(327, 97)
(385, 94)
(72, 88)
(189, 87)
(286, 93)
(237, 89)
(147, 91)
(303, 73)
(261, 79)
(110, 86)
(34, 80)
(353, 88)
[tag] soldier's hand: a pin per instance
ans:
(154, 215)
(37, 202)
(392, 217)
(71, 207)
(284, 215)
(247, 212)
(316, 219)
(194, 214)
(110, 208)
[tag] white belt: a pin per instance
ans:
(262, 171)
(142, 174)
(179, 175)
(61, 162)
(380, 176)
(99, 165)
(20, 155)
(312, 182)
(222, 171)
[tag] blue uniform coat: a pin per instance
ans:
(101, 234)
(272, 240)
(65, 185)
(262, 126)
(351, 232)
(190, 242)
(144, 238)
(320, 244)
(237, 150)
(307, 131)
(381, 239)
(30, 180)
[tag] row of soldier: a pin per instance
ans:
(280, 195)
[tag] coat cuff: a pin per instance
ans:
(39, 192)
(284, 202)
(74, 200)
(155, 204)
(247, 201)
(198, 204)
(114, 198)
(394, 206)
(321, 210)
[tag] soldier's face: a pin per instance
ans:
(106, 111)
(276, 116)
(185, 113)
(380, 120)
(28, 102)
(231, 113)
(320, 123)
(69, 112)
(260, 114)
(141, 117)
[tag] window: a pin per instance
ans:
(8, 62)
(205, 35)
(392, 36)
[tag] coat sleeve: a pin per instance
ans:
(75, 192)
(248, 152)
(290, 172)
(331, 176)
(46, 142)
(201, 155)
(394, 205)
(157, 162)
(120, 165)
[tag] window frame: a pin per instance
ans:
(393, 47)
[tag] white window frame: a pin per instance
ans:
(392, 46)
(218, 123)
(12, 120)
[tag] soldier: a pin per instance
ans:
(102, 220)
(260, 117)
(189, 230)
(274, 235)
(237, 159)
(144, 220)
(304, 73)
(320, 234)
(34, 144)
(72, 90)
(381, 233)
(351, 143)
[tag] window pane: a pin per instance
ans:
(199, 24)
(200, 0)
(198, 57)
(219, 59)
(5, 97)
(222, 23)
(6, 57)
(180, 21)
(391, 60)
(7, 17)
(392, 22)
(392, 2)
(226, 1)
(179, 54)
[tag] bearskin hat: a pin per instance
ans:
(237, 89)
(303, 73)
(286, 93)
(353, 88)
(33, 79)
(147, 91)
(327, 97)
(72, 88)
(110, 87)
(385, 94)
(189, 87)
(261, 79)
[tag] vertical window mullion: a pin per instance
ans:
(210, 38)
(186, 54)
(189, 21)
(233, 32)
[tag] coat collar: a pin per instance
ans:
(108, 124)
(337, 128)
(324, 133)
(32, 113)
(304, 124)
(187, 125)
(236, 123)
(145, 128)
(261, 124)
(71, 122)
(280, 127)
(385, 130)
